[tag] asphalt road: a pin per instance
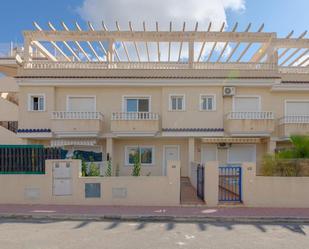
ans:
(16, 234)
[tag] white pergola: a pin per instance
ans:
(191, 48)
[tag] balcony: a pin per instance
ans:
(249, 123)
(296, 124)
(129, 123)
(76, 123)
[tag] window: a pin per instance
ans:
(246, 104)
(143, 153)
(177, 103)
(81, 104)
(137, 105)
(239, 153)
(296, 107)
(36, 102)
(207, 103)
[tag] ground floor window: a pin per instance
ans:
(239, 153)
(143, 153)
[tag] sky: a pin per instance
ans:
(279, 16)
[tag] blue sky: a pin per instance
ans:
(278, 15)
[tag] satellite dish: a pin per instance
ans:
(19, 60)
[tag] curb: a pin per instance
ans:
(149, 218)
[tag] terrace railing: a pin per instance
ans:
(294, 119)
(135, 116)
(251, 115)
(77, 115)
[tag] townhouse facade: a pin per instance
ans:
(203, 106)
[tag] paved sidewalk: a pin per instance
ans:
(241, 214)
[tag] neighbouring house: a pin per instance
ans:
(202, 96)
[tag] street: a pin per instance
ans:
(33, 234)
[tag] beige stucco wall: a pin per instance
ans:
(157, 167)
(8, 110)
(34, 119)
(9, 137)
(141, 191)
(267, 191)
(192, 117)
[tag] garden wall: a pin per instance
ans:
(127, 190)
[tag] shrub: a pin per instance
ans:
(94, 170)
(108, 171)
(137, 165)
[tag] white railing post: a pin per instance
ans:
(251, 115)
(134, 116)
(77, 115)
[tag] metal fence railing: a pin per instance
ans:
(26, 159)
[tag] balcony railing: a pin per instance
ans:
(135, 116)
(295, 119)
(77, 115)
(148, 65)
(251, 115)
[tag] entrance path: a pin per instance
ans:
(154, 213)
(188, 194)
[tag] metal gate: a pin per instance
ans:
(200, 181)
(230, 184)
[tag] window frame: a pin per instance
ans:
(253, 148)
(214, 104)
(38, 95)
(125, 97)
(247, 96)
(81, 96)
(126, 158)
(286, 101)
(170, 108)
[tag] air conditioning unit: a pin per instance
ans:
(229, 91)
(223, 146)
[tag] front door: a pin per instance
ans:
(171, 153)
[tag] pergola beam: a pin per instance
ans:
(237, 45)
(149, 36)
(248, 45)
(203, 44)
(298, 57)
(114, 49)
(77, 43)
(43, 50)
(215, 44)
(123, 44)
(65, 43)
(226, 44)
(180, 47)
(100, 43)
(135, 45)
(146, 43)
(53, 43)
(89, 44)
(158, 44)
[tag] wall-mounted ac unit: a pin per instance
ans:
(229, 91)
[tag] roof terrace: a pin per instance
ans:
(196, 49)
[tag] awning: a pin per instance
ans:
(238, 140)
(63, 142)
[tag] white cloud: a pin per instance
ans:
(163, 11)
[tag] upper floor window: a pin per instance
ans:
(296, 107)
(207, 103)
(36, 102)
(81, 103)
(177, 103)
(133, 104)
(246, 103)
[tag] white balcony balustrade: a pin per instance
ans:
(63, 115)
(295, 119)
(135, 116)
(251, 115)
